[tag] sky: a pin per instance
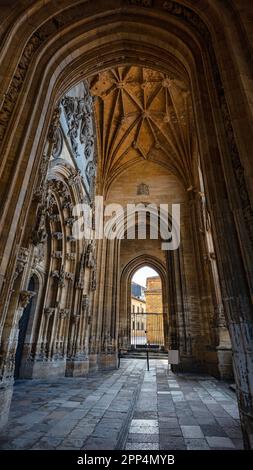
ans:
(141, 275)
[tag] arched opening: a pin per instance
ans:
(147, 313)
(26, 325)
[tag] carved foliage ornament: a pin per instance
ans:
(78, 112)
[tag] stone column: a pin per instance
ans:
(237, 310)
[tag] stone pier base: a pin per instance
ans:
(108, 361)
(77, 368)
(48, 369)
(6, 391)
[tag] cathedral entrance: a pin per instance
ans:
(147, 317)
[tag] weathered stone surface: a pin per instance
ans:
(173, 121)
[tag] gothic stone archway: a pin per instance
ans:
(54, 50)
(125, 297)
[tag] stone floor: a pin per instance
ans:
(129, 408)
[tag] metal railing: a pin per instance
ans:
(147, 328)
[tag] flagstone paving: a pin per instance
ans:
(129, 408)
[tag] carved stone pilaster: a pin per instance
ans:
(219, 319)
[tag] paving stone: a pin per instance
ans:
(142, 446)
(192, 432)
(168, 423)
(173, 443)
(213, 430)
(143, 438)
(95, 443)
(71, 444)
(238, 443)
(196, 444)
(220, 442)
(176, 412)
(170, 432)
(188, 421)
(144, 422)
(143, 430)
(233, 432)
(226, 422)
(145, 415)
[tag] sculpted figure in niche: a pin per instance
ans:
(90, 257)
(39, 234)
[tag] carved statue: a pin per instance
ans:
(39, 234)
(22, 260)
(90, 172)
(90, 256)
(54, 126)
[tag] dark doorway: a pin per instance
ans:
(23, 324)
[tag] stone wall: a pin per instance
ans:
(154, 305)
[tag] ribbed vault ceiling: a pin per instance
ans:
(143, 114)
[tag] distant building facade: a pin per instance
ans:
(138, 315)
(154, 309)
